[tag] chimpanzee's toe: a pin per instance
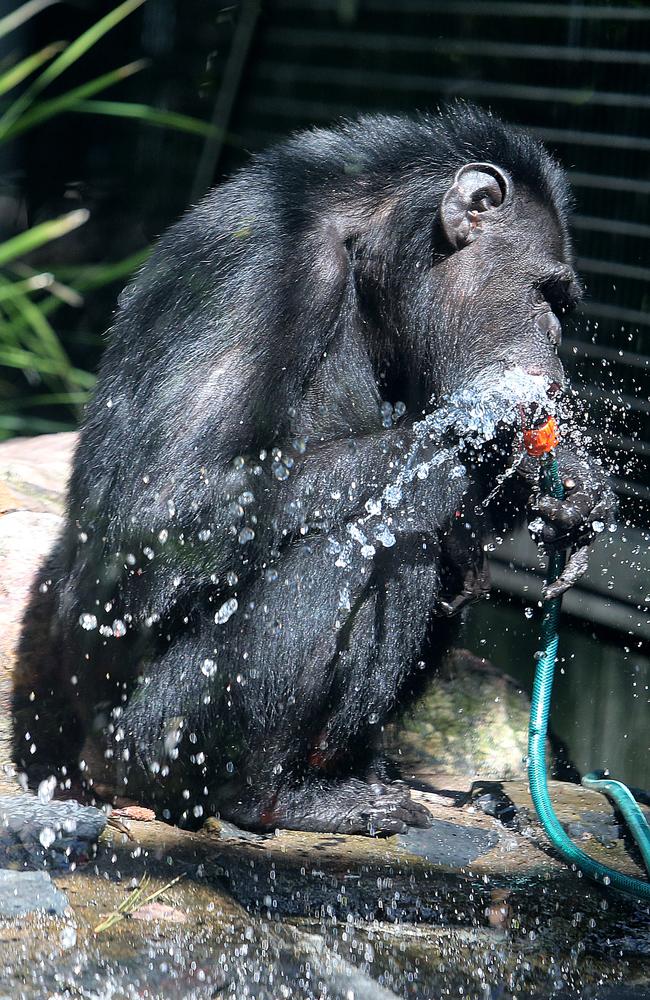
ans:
(410, 811)
(390, 810)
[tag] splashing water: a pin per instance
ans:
(477, 411)
(472, 416)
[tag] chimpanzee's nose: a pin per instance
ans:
(548, 324)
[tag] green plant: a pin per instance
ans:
(38, 374)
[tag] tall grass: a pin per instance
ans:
(36, 374)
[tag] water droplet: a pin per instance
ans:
(373, 507)
(47, 836)
(46, 789)
(68, 936)
(392, 495)
(246, 535)
(226, 611)
(88, 621)
(384, 535)
(209, 666)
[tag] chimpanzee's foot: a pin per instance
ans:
(350, 806)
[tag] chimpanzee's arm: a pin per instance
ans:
(366, 478)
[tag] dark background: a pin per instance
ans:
(576, 74)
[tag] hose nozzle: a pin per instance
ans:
(540, 440)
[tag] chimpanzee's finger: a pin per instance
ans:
(566, 513)
(575, 568)
(552, 536)
(580, 511)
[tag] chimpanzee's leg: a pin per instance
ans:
(271, 718)
(47, 732)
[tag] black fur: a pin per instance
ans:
(236, 435)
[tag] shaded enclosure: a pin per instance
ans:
(478, 905)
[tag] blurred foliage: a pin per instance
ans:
(37, 377)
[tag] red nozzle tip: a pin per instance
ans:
(540, 440)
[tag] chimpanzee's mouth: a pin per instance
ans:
(554, 388)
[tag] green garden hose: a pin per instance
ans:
(539, 712)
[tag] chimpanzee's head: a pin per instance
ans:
(461, 248)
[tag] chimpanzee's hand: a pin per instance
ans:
(588, 509)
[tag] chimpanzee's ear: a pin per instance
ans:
(478, 189)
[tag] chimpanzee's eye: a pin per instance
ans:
(561, 291)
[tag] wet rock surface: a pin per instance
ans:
(300, 915)
(50, 834)
(448, 843)
(477, 906)
(29, 892)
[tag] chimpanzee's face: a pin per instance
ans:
(486, 287)
(508, 283)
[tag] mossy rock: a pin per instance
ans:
(472, 721)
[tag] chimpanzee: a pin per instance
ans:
(281, 497)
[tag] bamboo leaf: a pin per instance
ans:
(13, 357)
(21, 347)
(148, 114)
(30, 331)
(56, 288)
(22, 14)
(76, 398)
(36, 282)
(44, 232)
(57, 105)
(14, 423)
(12, 77)
(68, 57)
(85, 277)
(85, 41)
(46, 338)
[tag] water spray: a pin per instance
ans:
(540, 442)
